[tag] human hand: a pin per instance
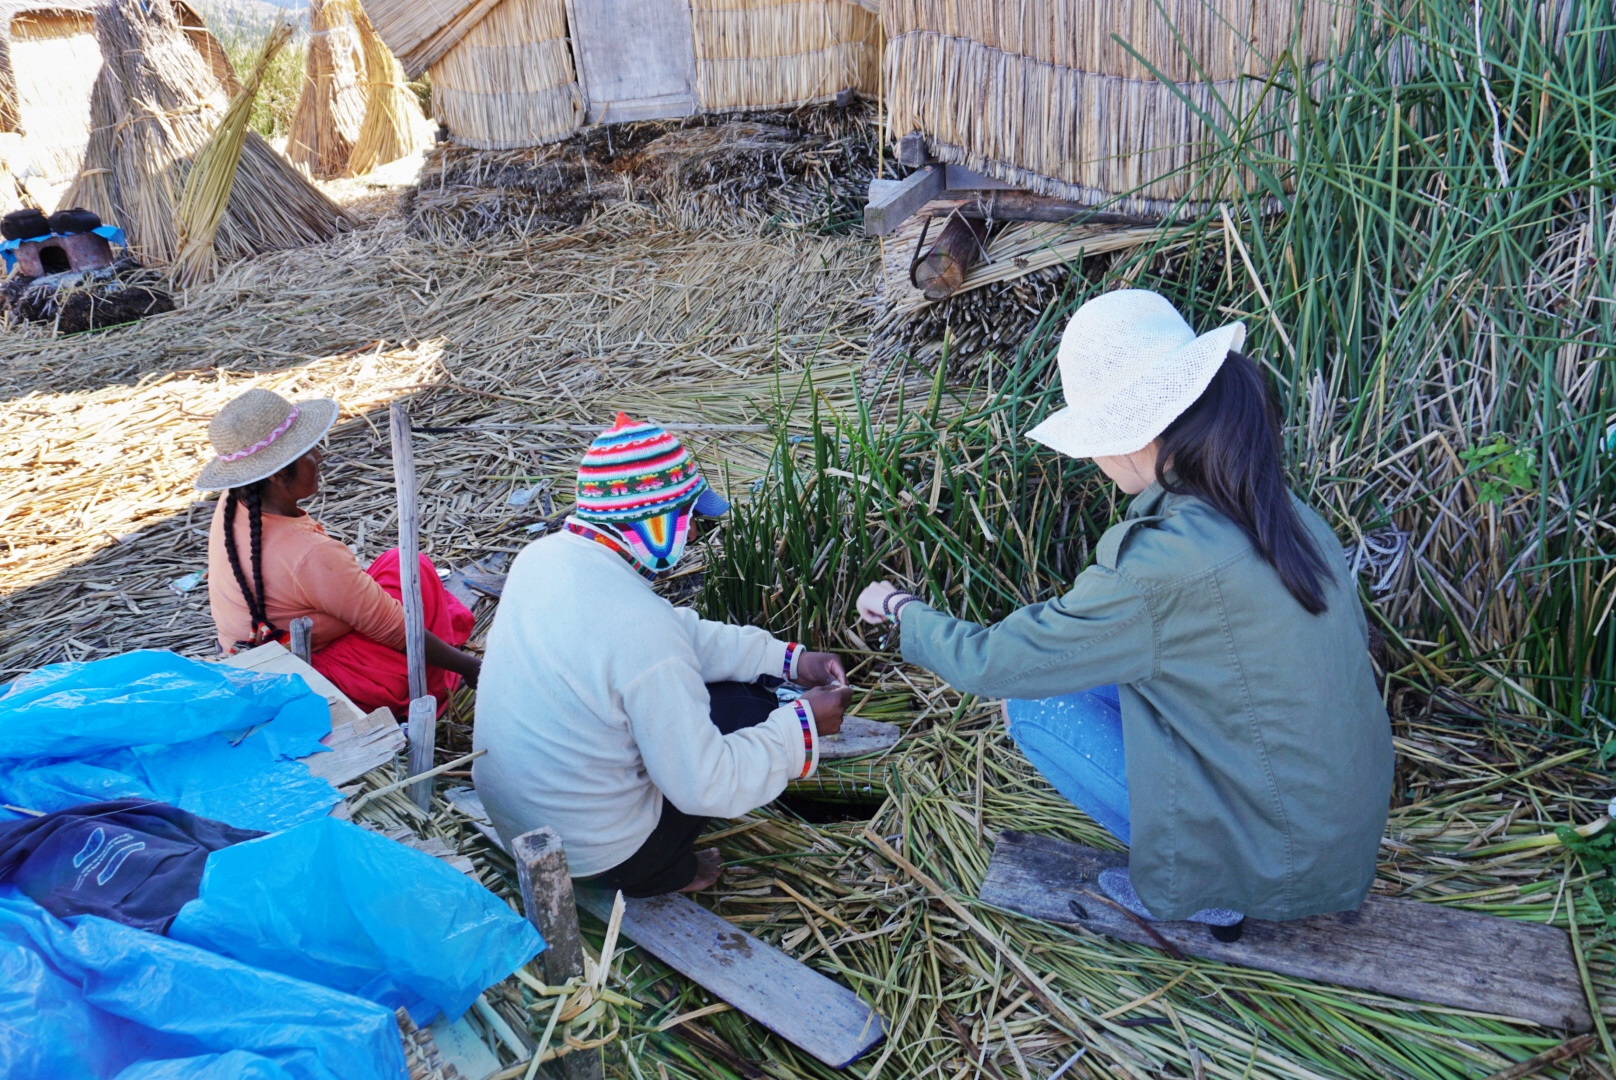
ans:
(820, 669)
(870, 600)
(828, 703)
(473, 670)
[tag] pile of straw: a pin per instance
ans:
(331, 108)
(1046, 98)
(394, 125)
(770, 54)
(213, 171)
(156, 103)
(809, 169)
(510, 81)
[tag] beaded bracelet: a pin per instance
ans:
(810, 745)
(792, 649)
(889, 610)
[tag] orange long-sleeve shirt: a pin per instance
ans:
(306, 573)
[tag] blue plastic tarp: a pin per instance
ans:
(96, 1000)
(333, 903)
(208, 738)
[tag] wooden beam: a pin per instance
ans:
(1026, 206)
(959, 178)
(940, 272)
(890, 206)
(409, 550)
(912, 150)
(302, 631)
(547, 899)
(423, 747)
(1405, 948)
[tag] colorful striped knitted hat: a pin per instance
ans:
(636, 471)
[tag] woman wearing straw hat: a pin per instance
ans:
(618, 719)
(269, 562)
(1204, 690)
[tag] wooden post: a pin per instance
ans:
(912, 150)
(302, 630)
(541, 873)
(423, 707)
(941, 271)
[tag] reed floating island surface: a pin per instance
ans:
(1426, 273)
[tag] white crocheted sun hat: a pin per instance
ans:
(260, 433)
(1129, 365)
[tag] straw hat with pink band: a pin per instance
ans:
(259, 434)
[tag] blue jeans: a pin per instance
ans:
(1075, 741)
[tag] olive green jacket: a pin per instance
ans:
(1259, 754)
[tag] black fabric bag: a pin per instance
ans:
(74, 220)
(130, 860)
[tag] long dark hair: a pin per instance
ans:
(1225, 449)
(251, 495)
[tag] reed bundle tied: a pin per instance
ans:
(510, 81)
(51, 61)
(758, 54)
(331, 108)
(207, 188)
(394, 126)
(156, 103)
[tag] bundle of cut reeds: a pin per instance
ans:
(331, 108)
(206, 43)
(758, 54)
(207, 188)
(156, 103)
(510, 81)
(394, 125)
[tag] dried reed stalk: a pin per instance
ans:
(420, 34)
(394, 126)
(510, 81)
(331, 108)
(206, 193)
(54, 58)
(756, 54)
(212, 50)
(156, 103)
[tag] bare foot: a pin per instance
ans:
(1004, 711)
(709, 867)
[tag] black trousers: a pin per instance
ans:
(666, 862)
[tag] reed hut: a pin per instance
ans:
(514, 73)
(49, 58)
(154, 103)
(331, 106)
(1062, 98)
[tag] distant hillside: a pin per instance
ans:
(235, 16)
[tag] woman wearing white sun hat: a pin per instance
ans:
(271, 562)
(1218, 635)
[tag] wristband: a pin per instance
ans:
(810, 740)
(890, 610)
(788, 669)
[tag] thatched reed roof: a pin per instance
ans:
(1046, 96)
(154, 102)
(420, 33)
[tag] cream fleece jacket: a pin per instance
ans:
(593, 708)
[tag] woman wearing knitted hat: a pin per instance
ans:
(269, 562)
(618, 719)
(1204, 689)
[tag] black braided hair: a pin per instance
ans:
(249, 494)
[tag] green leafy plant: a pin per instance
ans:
(1501, 468)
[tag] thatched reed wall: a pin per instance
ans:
(1042, 96)
(52, 63)
(420, 32)
(510, 81)
(759, 54)
(331, 108)
(155, 103)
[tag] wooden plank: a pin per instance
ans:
(409, 550)
(912, 151)
(959, 178)
(858, 737)
(276, 660)
(423, 747)
(357, 748)
(469, 582)
(790, 999)
(891, 206)
(1012, 205)
(463, 1048)
(803, 1007)
(1404, 948)
(302, 633)
(636, 58)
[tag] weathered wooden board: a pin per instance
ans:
(1405, 948)
(276, 659)
(636, 58)
(469, 582)
(890, 205)
(857, 737)
(792, 1000)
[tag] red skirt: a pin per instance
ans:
(376, 676)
